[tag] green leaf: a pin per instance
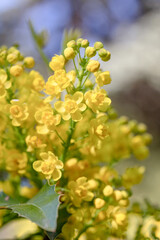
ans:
(41, 209)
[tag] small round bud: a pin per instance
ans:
(117, 195)
(90, 52)
(79, 41)
(71, 44)
(107, 191)
(16, 70)
(29, 62)
(85, 43)
(69, 53)
(12, 58)
(88, 83)
(93, 66)
(99, 203)
(104, 54)
(98, 45)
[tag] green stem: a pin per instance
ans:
(60, 137)
(39, 49)
(68, 142)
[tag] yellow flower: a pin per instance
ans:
(29, 62)
(93, 66)
(99, 203)
(90, 52)
(69, 53)
(71, 107)
(97, 100)
(99, 127)
(50, 166)
(34, 142)
(4, 84)
(47, 120)
(16, 162)
(57, 62)
(38, 82)
(16, 70)
(19, 112)
(58, 82)
(79, 191)
(103, 78)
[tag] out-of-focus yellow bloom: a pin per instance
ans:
(69, 53)
(29, 62)
(93, 66)
(28, 192)
(47, 120)
(71, 107)
(97, 100)
(99, 203)
(99, 127)
(108, 191)
(4, 84)
(98, 45)
(34, 142)
(16, 70)
(79, 191)
(38, 82)
(49, 166)
(90, 52)
(18, 112)
(16, 162)
(103, 78)
(57, 62)
(118, 216)
(132, 176)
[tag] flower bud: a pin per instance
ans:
(69, 53)
(88, 83)
(107, 191)
(79, 41)
(85, 43)
(98, 45)
(16, 70)
(90, 52)
(104, 54)
(12, 58)
(29, 62)
(93, 66)
(71, 44)
(99, 203)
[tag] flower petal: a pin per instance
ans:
(82, 107)
(59, 106)
(56, 174)
(37, 165)
(78, 97)
(77, 116)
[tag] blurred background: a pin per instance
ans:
(129, 29)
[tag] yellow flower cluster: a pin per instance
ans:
(73, 142)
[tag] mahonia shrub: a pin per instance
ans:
(65, 132)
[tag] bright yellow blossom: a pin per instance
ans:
(57, 62)
(49, 166)
(47, 120)
(79, 191)
(18, 112)
(4, 84)
(71, 107)
(93, 66)
(103, 78)
(16, 162)
(97, 100)
(34, 142)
